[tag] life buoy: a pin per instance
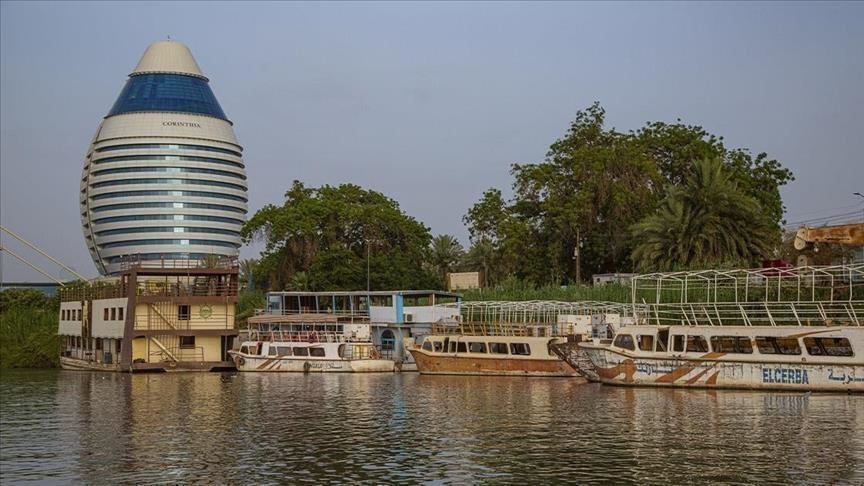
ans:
(241, 361)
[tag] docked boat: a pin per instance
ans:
(457, 353)
(154, 316)
(791, 329)
(807, 358)
(304, 347)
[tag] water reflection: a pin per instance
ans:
(391, 428)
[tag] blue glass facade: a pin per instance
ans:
(174, 205)
(167, 92)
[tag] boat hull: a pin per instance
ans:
(312, 365)
(615, 368)
(437, 364)
(74, 364)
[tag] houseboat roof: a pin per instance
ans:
(361, 293)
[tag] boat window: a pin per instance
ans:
(446, 344)
(436, 346)
(477, 347)
(677, 343)
(778, 345)
(498, 348)
(625, 341)
(460, 348)
(427, 345)
(284, 351)
(697, 344)
(301, 351)
(646, 343)
(662, 339)
(452, 346)
(271, 351)
(828, 346)
(317, 352)
(183, 312)
(731, 344)
(522, 349)
(244, 349)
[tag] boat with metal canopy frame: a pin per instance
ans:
(769, 329)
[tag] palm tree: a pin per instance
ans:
(480, 258)
(708, 221)
(247, 272)
(446, 252)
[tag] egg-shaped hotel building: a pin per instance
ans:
(164, 178)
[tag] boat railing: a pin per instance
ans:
(495, 329)
(298, 336)
(177, 354)
(821, 313)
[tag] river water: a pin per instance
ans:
(101, 428)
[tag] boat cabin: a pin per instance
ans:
(748, 342)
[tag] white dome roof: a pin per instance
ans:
(168, 57)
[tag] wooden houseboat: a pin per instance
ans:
(154, 317)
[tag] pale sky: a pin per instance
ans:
(430, 103)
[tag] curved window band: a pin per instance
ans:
(180, 182)
(167, 92)
(215, 195)
(160, 256)
(169, 170)
(174, 205)
(184, 158)
(184, 242)
(175, 146)
(167, 229)
(167, 217)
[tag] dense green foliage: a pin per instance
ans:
(28, 329)
(597, 183)
(513, 289)
(248, 302)
(327, 238)
(706, 221)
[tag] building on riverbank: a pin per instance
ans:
(164, 177)
(152, 317)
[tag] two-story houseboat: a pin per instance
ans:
(177, 316)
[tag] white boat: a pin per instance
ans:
(303, 347)
(804, 358)
(792, 329)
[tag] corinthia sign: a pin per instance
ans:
(180, 124)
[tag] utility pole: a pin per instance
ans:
(367, 267)
(576, 256)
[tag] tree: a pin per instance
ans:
(708, 221)
(595, 184)
(445, 253)
(329, 232)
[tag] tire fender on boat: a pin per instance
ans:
(306, 367)
(241, 361)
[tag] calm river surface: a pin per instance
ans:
(82, 427)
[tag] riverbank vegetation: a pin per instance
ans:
(663, 197)
(28, 329)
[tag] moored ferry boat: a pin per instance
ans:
(790, 328)
(303, 346)
(805, 358)
(489, 354)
